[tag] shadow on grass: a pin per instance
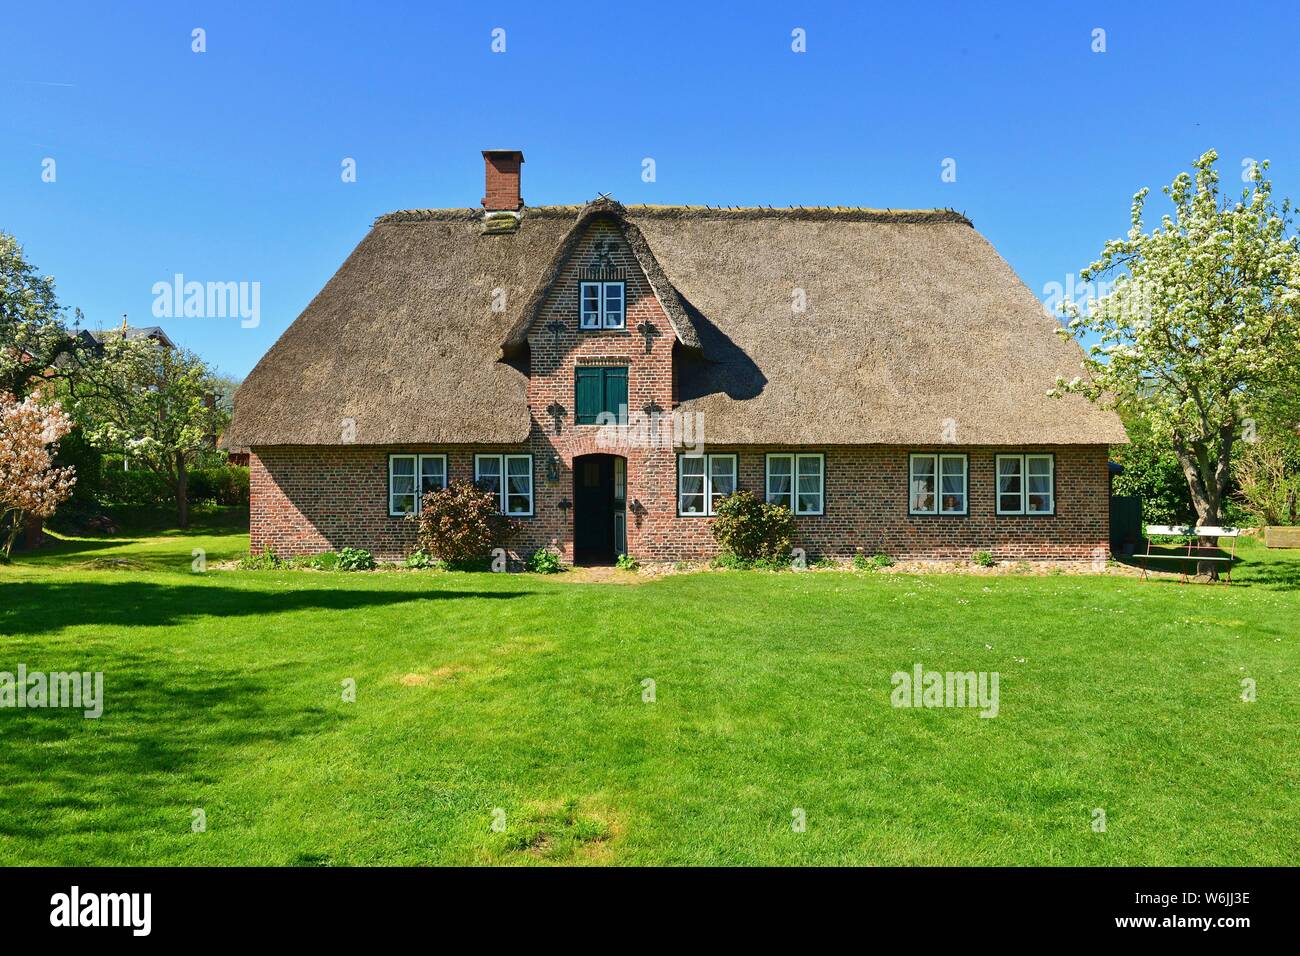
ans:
(40, 607)
(164, 738)
(1277, 575)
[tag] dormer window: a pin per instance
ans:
(602, 305)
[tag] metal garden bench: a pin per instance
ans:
(1195, 551)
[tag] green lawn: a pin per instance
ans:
(519, 698)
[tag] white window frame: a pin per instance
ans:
(1024, 460)
(602, 319)
(937, 458)
(503, 492)
(419, 461)
(709, 510)
(791, 499)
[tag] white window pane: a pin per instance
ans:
(721, 466)
(692, 465)
(953, 502)
(809, 503)
(692, 504)
(1040, 504)
(810, 465)
(517, 465)
(779, 466)
(403, 466)
(403, 504)
(1009, 476)
(1038, 465)
(922, 486)
(613, 305)
(590, 305)
(488, 474)
(923, 494)
(433, 474)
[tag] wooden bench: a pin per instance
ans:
(1195, 551)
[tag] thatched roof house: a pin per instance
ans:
(818, 327)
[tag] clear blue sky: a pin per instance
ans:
(225, 165)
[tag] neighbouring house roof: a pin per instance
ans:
(911, 320)
(154, 332)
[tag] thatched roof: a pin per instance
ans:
(912, 318)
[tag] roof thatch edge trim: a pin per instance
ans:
(815, 213)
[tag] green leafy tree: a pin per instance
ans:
(1200, 324)
(33, 333)
(156, 402)
(1152, 473)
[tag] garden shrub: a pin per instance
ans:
(224, 485)
(1267, 475)
(753, 530)
(544, 561)
(874, 563)
(1152, 473)
(461, 525)
(266, 561)
(139, 487)
(355, 559)
(421, 559)
(626, 562)
(984, 559)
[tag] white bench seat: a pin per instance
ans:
(1195, 551)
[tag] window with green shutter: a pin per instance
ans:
(600, 390)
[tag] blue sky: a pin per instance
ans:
(225, 165)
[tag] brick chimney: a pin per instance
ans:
(501, 187)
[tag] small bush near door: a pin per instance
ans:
(544, 561)
(462, 525)
(753, 530)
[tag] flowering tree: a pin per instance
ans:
(33, 336)
(1201, 326)
(29, 482)
(156, 401)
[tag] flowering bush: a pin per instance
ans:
(29, 482)
(461, 524)
(753, 530)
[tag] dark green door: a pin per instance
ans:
(593, 509)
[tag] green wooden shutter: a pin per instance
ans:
(589, 392)
(616, 392)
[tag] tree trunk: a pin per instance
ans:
(1207, 481)
(182, 492)
(10, 534)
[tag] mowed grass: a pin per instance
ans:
(499, 719)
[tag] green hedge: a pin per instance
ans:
(226, 485)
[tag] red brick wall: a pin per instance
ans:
(315, 499)
(307, 500)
